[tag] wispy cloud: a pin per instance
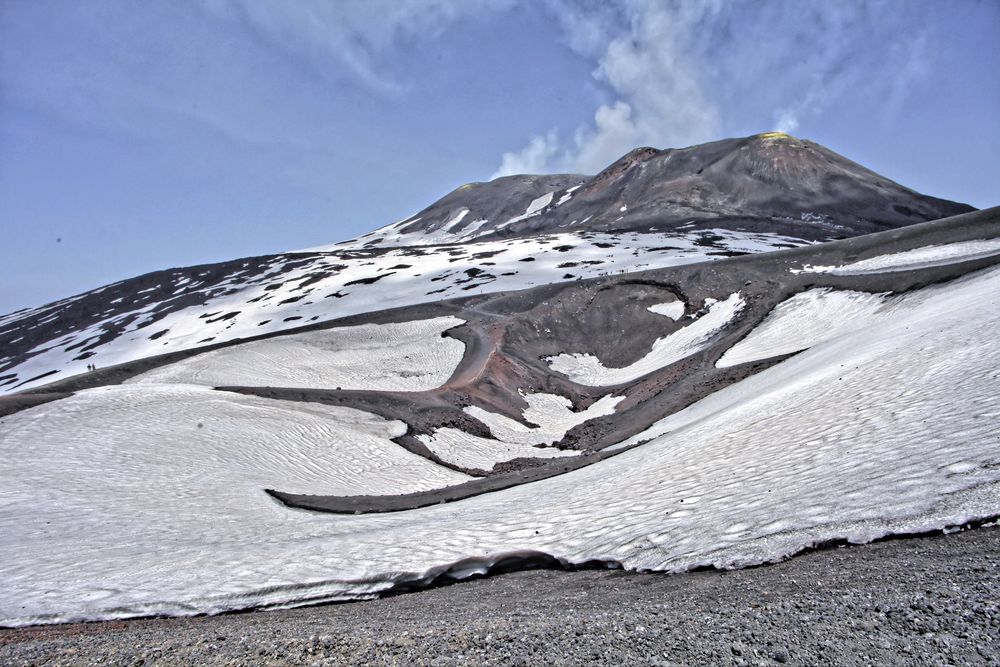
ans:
(258, 72)
(352, 34)
(671, 72)
(679, 73)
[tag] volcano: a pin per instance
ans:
(715, 356)
(771, 183)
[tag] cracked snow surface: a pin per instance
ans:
(815, 448)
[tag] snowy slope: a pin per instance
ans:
(919, 258)
(809, 318)
(576, 420)
(818, 447)
(287, 291)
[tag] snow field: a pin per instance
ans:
(889, 429)
(404, 356)
(588, 370)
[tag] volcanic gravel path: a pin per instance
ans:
(916, 601)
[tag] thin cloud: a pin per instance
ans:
(357, 36)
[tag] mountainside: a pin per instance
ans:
(770, 182)
(345, 421)
(649, 209)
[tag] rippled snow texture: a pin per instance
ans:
(473, 452)
(918, 258)
(588, 370)
(404, 356)
(893, 428)
(804, 320)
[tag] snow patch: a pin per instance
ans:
(473, 452)
(918, 258)
(534, 208)
(568, 194)
(446, 227)
(552, 415)
(672, 309)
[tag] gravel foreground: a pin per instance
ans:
(928, 600)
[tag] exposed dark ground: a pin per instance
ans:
(917, 601)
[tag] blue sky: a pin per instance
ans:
(139, 136)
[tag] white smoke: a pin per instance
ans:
(532, 159)
(680, 73)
